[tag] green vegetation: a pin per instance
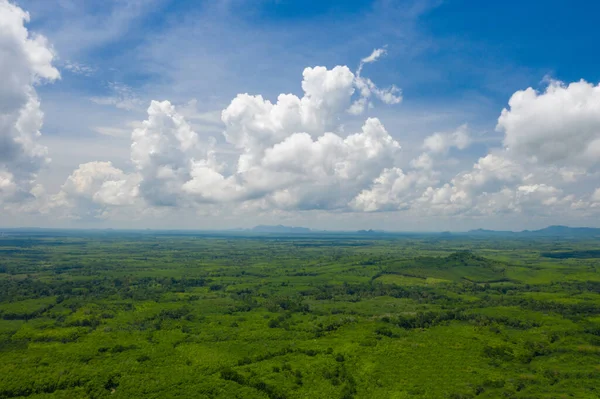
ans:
(148, 315)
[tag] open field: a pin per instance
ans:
(149, 315)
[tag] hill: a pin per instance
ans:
(550, 231)
(459, 266)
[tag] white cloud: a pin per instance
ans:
(358, 106)
(162, 151)
(498, 184)
(439, 143)
(445, 200)
(205, 122)
(122, 97)
(596, 195)
(491, 172)
(287, 156)
(437, 146)
(393, 190)
(293, 154)
(25, 60)
(423, 161)
(302, 173)
(329, 172)
(7, 184)
(95, 190)
(547, 194)
(490, 175)
(253, 123)
(570, 174)
(78, 68)
(560, 126)
(366, 87)
(101, 183)
(378, 52)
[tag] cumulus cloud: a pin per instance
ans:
(101, 183)
(162, 151)
(490, 174)
(254, 123)
(95, 190)
(529, 199)
(439, 143)
(393, 190)
(288, 156)
(551, 138)
(290, 153)
(331, 170)
(25, 61)
(445, 200)
(423, 161)
(558, 126)
(489, 171)
(302, 172)
(437, 146)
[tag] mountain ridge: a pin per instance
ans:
(550, 231)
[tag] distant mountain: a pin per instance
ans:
(565, 231)
(370, 231)
(550, 231)
(280, 229)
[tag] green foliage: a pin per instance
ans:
(126, 315)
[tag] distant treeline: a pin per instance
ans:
(587, 254)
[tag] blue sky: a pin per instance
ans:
(476, 52)
(456, 62)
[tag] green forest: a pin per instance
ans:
(183, 315)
